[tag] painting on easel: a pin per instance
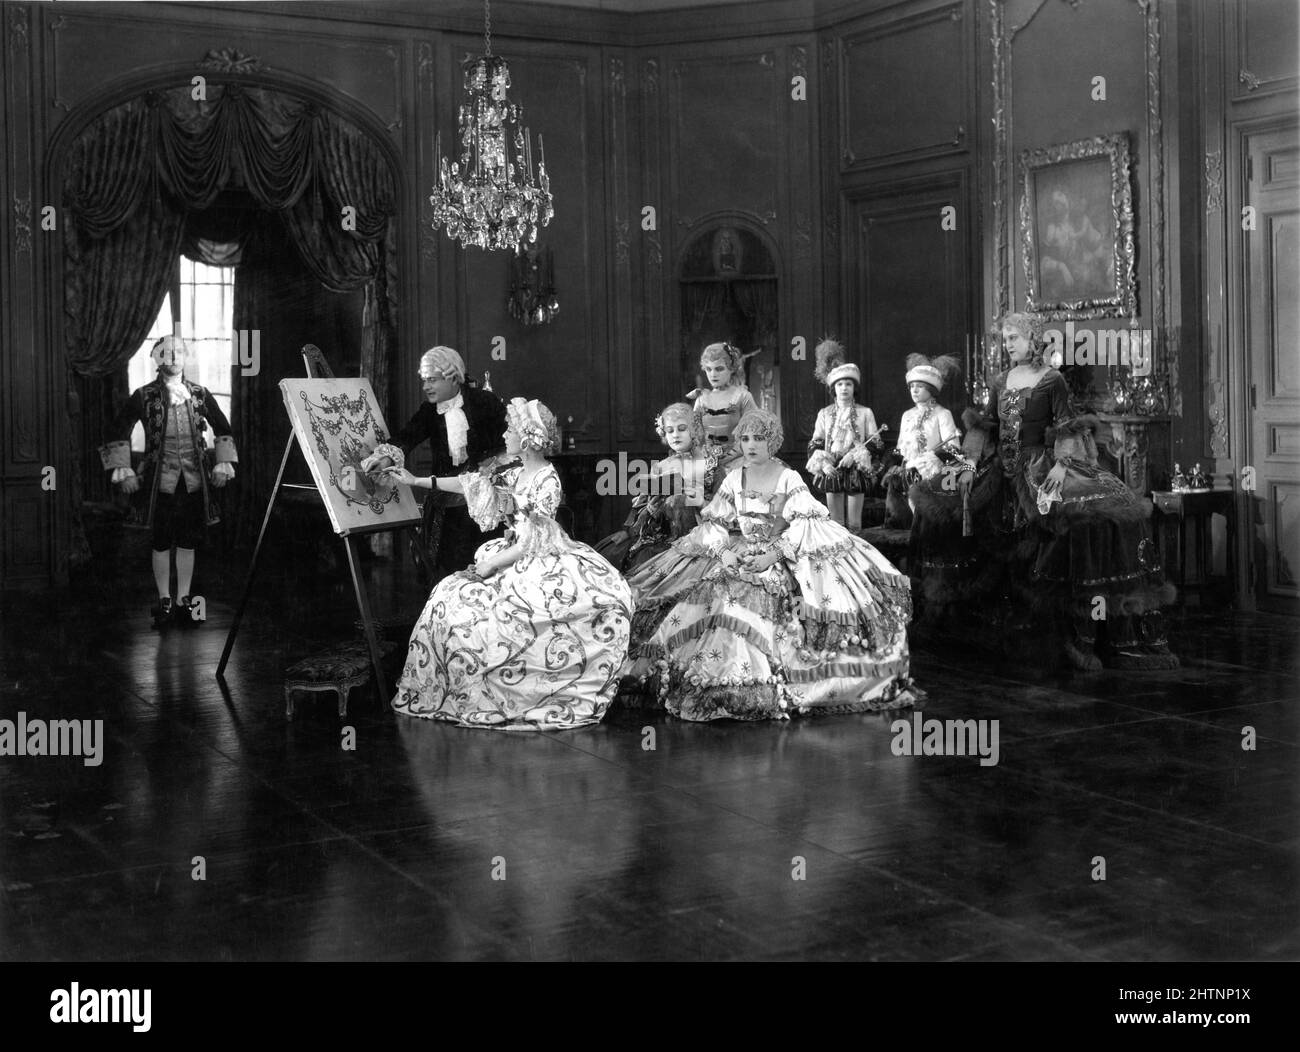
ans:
(338, 424)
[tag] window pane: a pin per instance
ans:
(207, 311)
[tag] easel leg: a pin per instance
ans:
(257, 552)
(420, 552)
(363, 604)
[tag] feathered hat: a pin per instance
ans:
(831, 366)
(933, 371)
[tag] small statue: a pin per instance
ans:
(1179, 481)
(487, 380)
(1198, 481)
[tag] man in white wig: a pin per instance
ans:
(180, 473)
(464, 427)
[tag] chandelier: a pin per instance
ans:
(491, 198)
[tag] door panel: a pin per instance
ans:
(1273, 345)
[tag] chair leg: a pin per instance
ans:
(288, 704)
(343, 702)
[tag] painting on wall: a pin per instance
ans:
(338, 424)
(1076, 229)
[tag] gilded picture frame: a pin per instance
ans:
(1076, 229)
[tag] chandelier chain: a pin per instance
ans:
(487, 27)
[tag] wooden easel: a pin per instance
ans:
(318, 367)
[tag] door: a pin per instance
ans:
(1272, 297)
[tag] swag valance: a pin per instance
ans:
(137, 178)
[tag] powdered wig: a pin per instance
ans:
(725, 352)
(534, 424)
(761, 422)
(680, 411)
(444, 362)
(1030, 326)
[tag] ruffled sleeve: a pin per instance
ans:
(716, 521)
(818, 440)
(489, 502)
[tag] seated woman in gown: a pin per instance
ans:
(1068, 542)
(768, 608)
(533, 635)
(725, 402)
(677, 488)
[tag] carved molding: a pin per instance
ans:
(231, 60)
(18, 25)
(1156, 148)
(802, 236)
(1001, 145)
(22, 223)
(1217, 409)
(799, 60)
(424, 61)
(621, 254)
(650, 76)
(617, 78)
(1213, 182)
(1251, 81)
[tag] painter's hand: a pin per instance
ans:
(130, 484)
(399, 475)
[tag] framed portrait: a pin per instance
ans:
(1076, 229)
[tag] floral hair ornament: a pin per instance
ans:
(680, 411)
(761, 422)
(534, 424)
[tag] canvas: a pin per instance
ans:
(338, 424)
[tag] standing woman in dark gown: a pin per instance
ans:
(1068, 542)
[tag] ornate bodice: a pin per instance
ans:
(1025, 414)
(719, 424)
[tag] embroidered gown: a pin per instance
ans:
(537, 645)
(824, 629)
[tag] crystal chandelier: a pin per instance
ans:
(490, 198)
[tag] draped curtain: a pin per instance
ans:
(139, 187)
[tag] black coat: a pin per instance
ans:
(486, 415)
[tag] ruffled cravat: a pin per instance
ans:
(457, 428)
(177, 392)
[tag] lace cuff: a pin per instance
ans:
(482, 498)
(120, 475)
(225, 450)
(115, 455)
(392, 452)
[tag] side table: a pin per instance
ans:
(1198, 505)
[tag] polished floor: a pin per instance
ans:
(428, 842)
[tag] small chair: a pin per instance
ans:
(339, 670)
